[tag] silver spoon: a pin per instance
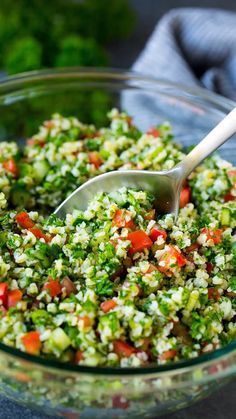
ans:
(165, 185)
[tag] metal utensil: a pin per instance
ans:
(165, 185)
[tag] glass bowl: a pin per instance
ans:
(66, 390)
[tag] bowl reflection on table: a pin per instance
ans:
(68, 390)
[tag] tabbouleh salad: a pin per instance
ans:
(115, 285)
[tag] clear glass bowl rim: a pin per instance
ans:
(19, 81)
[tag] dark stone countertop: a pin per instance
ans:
(221, 405)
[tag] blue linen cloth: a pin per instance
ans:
(195, 47)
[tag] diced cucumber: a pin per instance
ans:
(60, 339)
(25, 170)
(19, 196)
(225, 217)
(41, 168)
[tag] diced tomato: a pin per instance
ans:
(154, 132)
(78, 357)
(151, 268)
(185, 196)
(22, 376)
(123, 349)
(192, 247)
(37, 232)
(119, 219)
(69, 286)
(87, 322)
(32, 343)
(209, 267)
(213, 294)
(49, 124)
(181, 259)
(119, 402)
(95, 159)
(3, 293)
(13, 297)
(150, 215)
(232, 173)
(53, 286)
(24, 220)
(229, 197)
(157, 232)
(213, 369)
(32, 141)
(11, 167)
(108, 305)
(170, 354)
(167, 260)
(139, 241)
(214, 235)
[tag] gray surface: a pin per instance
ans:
(222, 404)
(219, 406)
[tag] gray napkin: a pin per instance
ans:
(193, 47)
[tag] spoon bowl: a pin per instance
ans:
(165, 186)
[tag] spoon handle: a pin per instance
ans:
(221, 133)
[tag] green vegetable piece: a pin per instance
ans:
(60, 339)
(39, 317)
(19, 196)
(225, 217)
(41, 168)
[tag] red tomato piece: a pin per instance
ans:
(119, 402)
(3, 294)
(78, 357)
(232, 173)
(185, 196)
(32, 343)
(229, 197)
(11, 167)
(157, 232)
(139, 241)
(87, 322)
(32, 142)
(13, 297)
(123, 349)
(49, 124)
(108, 305)
(214, 235)
(169, 258)
(170, 354)
(95, 159)
(37, 232)
(213, 294)
(69, 286)
(150, 215)
(53, 286)
(181, 259)
(192, 247)
(154, 132)
(24, 220)
(209, 267)
(119, 219)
